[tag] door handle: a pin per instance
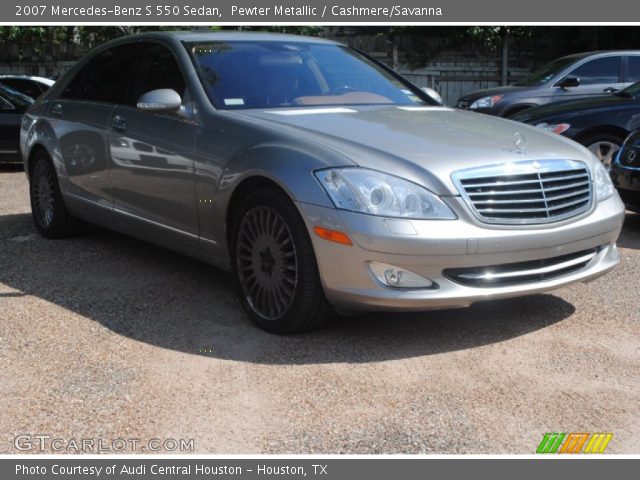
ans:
(57, 110)
(119, 123)
(610, 90)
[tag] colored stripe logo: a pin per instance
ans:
(574, 442)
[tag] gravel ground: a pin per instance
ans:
(104, 336)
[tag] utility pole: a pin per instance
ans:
(506, 39)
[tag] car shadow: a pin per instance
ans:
(630, 236)
(167, 300)
(10, 167)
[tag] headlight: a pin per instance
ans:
(554, 127)
(376, 193)
(486, 102)
(603, 185)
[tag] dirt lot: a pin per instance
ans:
(106, 337)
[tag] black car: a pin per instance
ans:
(600, 124)
(578, 76)
(12, 106)
(625, 172)
(27, 84)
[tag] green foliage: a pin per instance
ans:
(23, 34)
(84, 35)
(418, 44)
(493, 36)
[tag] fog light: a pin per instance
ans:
(398, 277)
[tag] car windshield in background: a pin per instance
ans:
(546, 73)
(15, 98)
(239, 75)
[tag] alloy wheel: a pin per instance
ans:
(266, 262)
(604, 151)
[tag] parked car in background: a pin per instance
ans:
(601, 124)
(625, 172)
(30, 86)
(572, 77)
(318, 176)
(13, 104)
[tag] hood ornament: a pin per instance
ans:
(520, 141)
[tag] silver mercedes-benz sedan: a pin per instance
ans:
(320, 178)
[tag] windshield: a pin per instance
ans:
(248, 74)
(546, 73)
(15, 98)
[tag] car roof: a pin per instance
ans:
(203, 36)
(44, 80)
(597, 53)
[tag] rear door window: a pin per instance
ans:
(105, 78)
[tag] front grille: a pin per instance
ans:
(522, 272)
(526, 192)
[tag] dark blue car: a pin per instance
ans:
(13, 104)
(625, 172)
(601, 124)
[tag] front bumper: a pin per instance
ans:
(428, 248)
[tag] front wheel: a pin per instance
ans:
(275, 265)
(604, 146)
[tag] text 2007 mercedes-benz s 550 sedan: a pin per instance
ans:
(319, 177)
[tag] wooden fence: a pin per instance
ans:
(451, 82)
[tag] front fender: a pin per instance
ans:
(237, 150)
(289, 167)
(37, 133)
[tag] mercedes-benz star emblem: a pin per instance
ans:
(536, 165)
(519, 140)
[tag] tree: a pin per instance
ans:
(499, 37)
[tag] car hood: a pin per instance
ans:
(472, 96)
(573, 108)
(424, 144)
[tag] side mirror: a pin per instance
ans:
(161, 100)
(433, 94)
(568, 82)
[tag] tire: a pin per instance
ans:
(603, 145)
(274, 265)
(50, 215)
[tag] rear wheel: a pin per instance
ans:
(275, 265)
(50, 215)
(604, 146)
